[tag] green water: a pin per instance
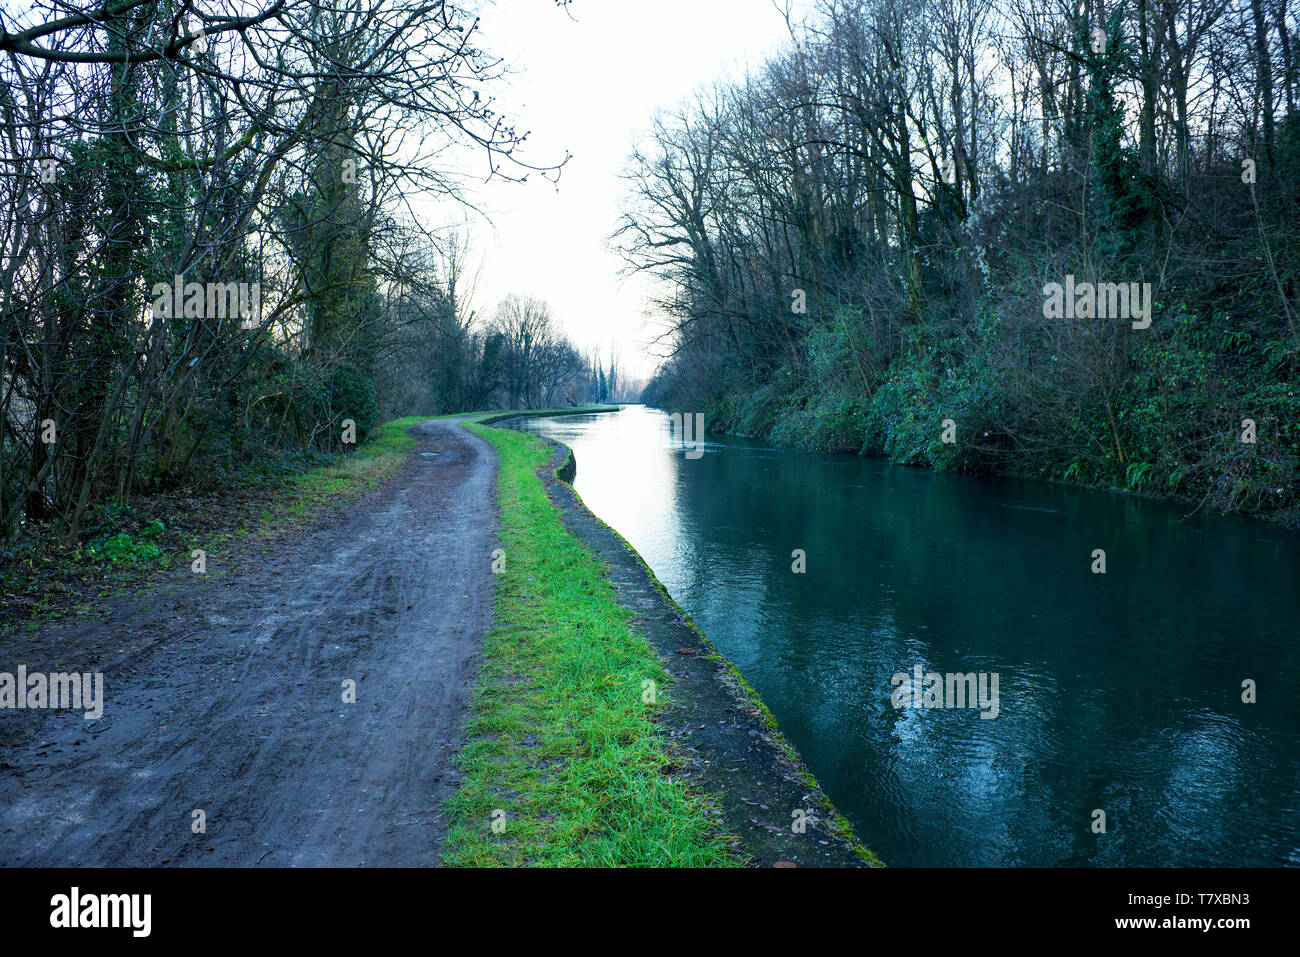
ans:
(1118, 692)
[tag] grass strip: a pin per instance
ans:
(374, 462)
(560, 738)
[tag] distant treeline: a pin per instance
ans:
(929, 229)
(208, 254)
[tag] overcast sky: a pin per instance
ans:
(588, 81)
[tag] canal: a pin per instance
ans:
(830, 579)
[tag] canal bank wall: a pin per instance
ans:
(726, 740)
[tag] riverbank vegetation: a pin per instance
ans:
(208, 259)
(857, 242)
(563, 765)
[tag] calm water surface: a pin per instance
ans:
(1120, 692)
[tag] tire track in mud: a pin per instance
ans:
(226, 695)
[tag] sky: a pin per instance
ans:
(588, 81)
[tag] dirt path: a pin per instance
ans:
(225, 694)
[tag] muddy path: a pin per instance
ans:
(224, 692)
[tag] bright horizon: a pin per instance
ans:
(613, 61)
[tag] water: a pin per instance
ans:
(1119, 692)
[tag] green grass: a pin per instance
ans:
(559, 736)
(358, 471)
